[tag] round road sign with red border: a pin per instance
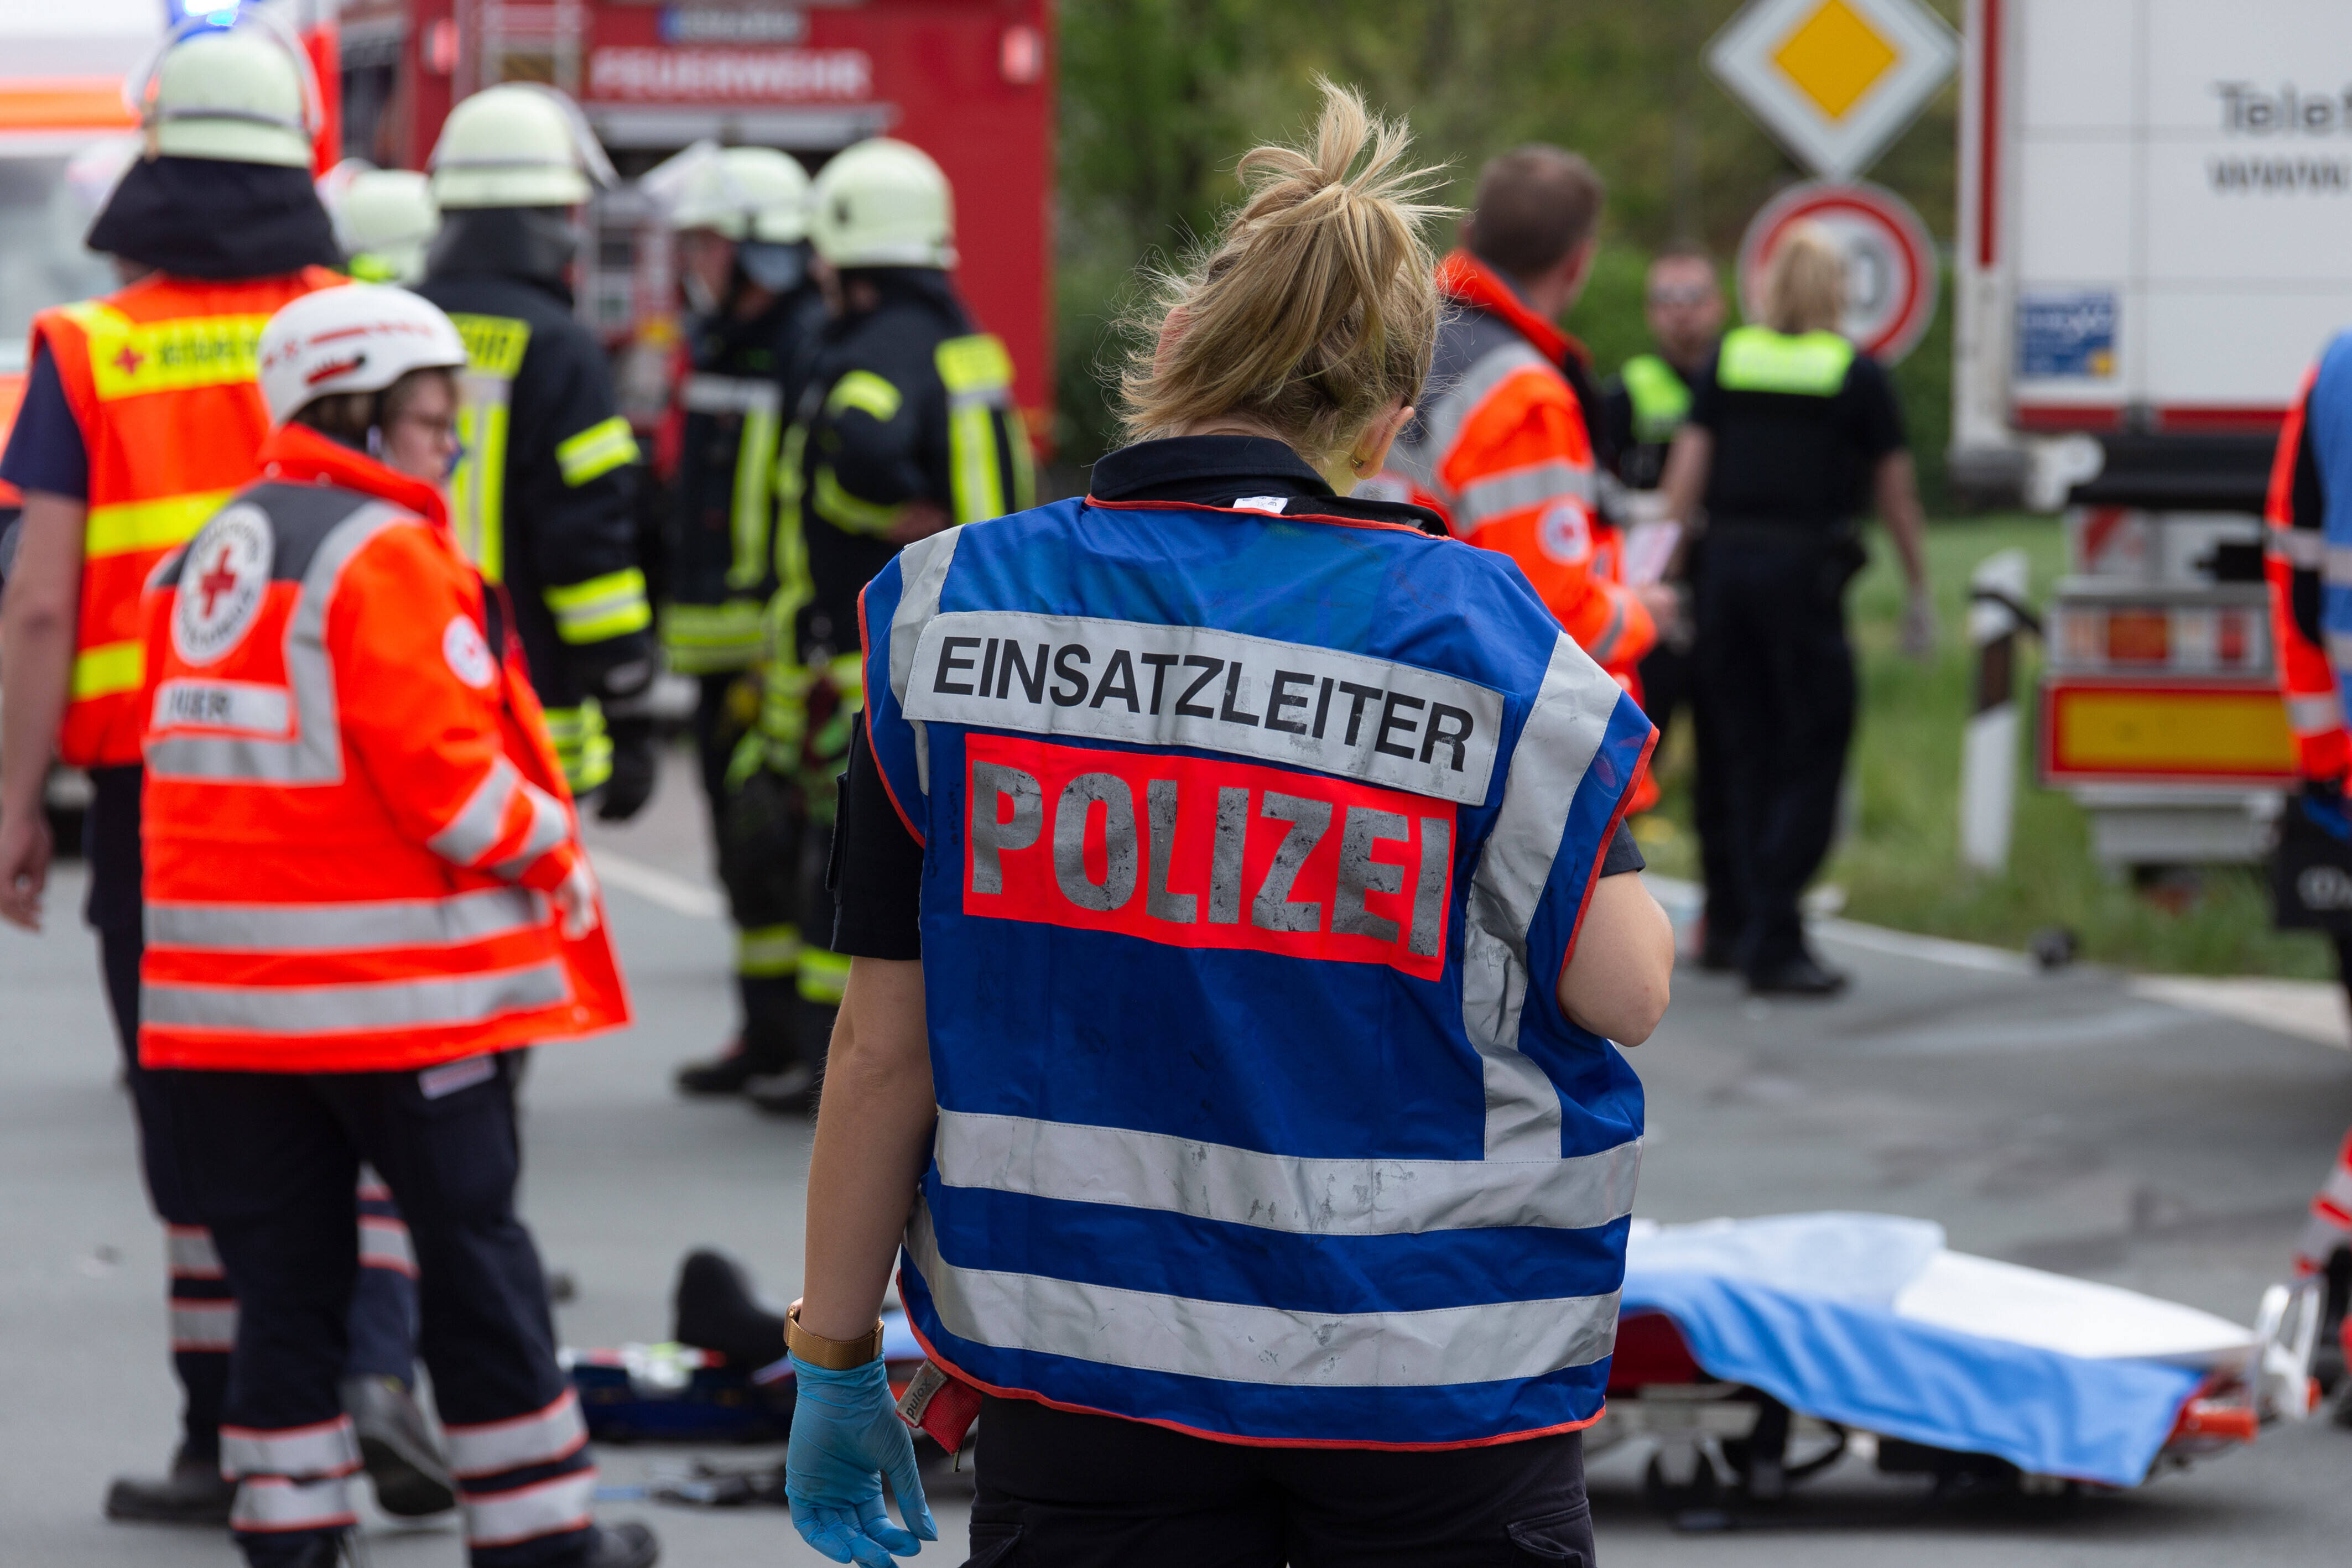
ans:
(1891, 277)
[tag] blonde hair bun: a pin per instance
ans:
(1316, 306)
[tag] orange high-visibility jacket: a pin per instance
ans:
(1502, 451)
(354, 813)
(160, 377)
(2294, 562)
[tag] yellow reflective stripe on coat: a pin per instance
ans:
(581, 746)
(978, 375)
(494, 350)
(755, 468)
(596, 451)
(1757, 359)
(851, 514)
(824, 977)
(867, 392)
(131, 359)
(108, 668)
(131, 527)
(603, 607)
(768, 952)
(707, 639)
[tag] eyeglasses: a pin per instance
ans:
(1687, 294)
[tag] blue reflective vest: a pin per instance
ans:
(1254, 845)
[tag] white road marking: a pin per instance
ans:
(655, 885)
(2306, 1010)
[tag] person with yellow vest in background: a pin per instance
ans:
(139, 417)
(906, 427)
(365, 886)
(543, 496)
(1502, 447)
(741, 217)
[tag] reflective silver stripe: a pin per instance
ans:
(1281, 1192)
(541, 1438)
(526, 1513)
(2304, 548)
(268, 1504)
(2321, 1236)
(2313, 715)
(2339, 651)
(2337, 1188)
(1442, 420)
(468, 836)
(327, 1010)
(1563, 733)
(550, 826)
(2336, 565)
(334, 927)
(923, 573)
(189, 1252)
(322, 1449)
(708, 393)
(315, 754)
(385, 1244)
(1497, 494)
(1490, 1343)
(204, 1326)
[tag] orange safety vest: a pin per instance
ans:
(2298, 544)
(160, 377)
(354, 813)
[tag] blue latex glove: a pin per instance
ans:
(2324, 806)
(846, 1436)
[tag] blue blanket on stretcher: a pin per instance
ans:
(1803, 1307)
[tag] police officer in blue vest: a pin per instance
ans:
(1230, 871)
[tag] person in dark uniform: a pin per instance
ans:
(1792, 436)
(741, 221)
(542, 497)
(906, 427)
(1642, 407)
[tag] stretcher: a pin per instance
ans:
(1755, 1354)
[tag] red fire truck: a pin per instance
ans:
(969, 81)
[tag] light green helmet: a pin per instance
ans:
(883, 203)
(240, 94)
(385, 219)
(518, 144)
(753, 193)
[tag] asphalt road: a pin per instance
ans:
(2055, 1120)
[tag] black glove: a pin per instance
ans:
(625, 794)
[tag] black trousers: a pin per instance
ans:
(270, 1159)
(1670, 686)
(1065, 1490)
(1778, 678)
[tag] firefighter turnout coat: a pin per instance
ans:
(160, 377)
(353, 812)
(543, 501)
(1254, 845)
(1502, 450)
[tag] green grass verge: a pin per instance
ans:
(1898, 859)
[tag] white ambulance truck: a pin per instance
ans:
(2155, 241)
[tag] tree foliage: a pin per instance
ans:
(1159, 98)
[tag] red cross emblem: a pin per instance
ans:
(216, 582)
(129, 360)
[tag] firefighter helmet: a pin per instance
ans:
(518, 144)
(360, 339)
(383, 220)
(747, 193)
(240, 94)
(883, 203)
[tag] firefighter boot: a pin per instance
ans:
(396, 1444)
(763, 1048)
(193, 1493)
(717, 1307)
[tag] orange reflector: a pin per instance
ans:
(65, 104)
(2177, 732)
(2203, 1418)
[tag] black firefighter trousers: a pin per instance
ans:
(1060, 1489)
(269, 1159)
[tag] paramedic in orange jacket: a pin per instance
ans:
(1502, 448)
(365, 883)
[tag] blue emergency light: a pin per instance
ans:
(203, 12)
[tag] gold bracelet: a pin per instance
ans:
(833, 1354)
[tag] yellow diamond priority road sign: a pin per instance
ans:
(1835, 80)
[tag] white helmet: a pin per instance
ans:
(243, 94)
(883, 203)
(357, 339)
(385, 219)
(753, 193)
(518, 144)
